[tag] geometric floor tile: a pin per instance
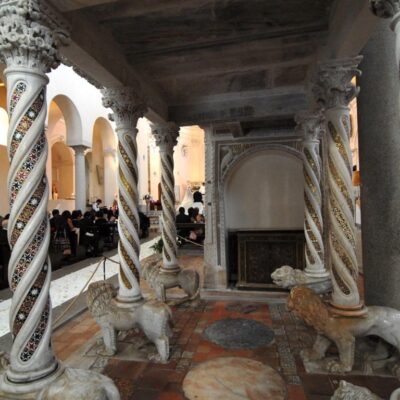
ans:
(239, 333)
(233, 378)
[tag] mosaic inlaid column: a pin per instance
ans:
(335, 90)
(127, 108)
(29, 50)
(166, 138)
(80, 178)
(311, 125)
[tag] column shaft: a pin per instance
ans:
(379, 142)
(166, 138)
(127, 110)
(80, 178)
(335, 91)
(311, 126)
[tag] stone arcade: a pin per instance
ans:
(272, 85)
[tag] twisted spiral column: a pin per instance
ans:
(127, 108)
(311, 125)
(166, 138)
(335, 92)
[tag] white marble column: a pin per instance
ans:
(311, 125)
(30, 34)
(127, 108)
(334, 90)
(80, 178)
(166, 136)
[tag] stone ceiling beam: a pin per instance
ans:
(94, 51)
(71, 5)
(224, 108)
(137, 9)
(352, 23)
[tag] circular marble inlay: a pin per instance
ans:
(233, 378)
(239, 333)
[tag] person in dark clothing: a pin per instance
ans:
(5, 253)
(144, 225)
(70, 232)
(182, 218)
(56, 221)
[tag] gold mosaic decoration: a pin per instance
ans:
(341, 220)
(339, 145)
(340, 183)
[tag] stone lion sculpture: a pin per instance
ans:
(288, 277)
(347, 391)
(152, 317)
(80, 384)
(383, 322)
(187, 279)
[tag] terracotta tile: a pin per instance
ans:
(296, 392)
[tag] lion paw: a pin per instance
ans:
(337, 367)
(311, 355)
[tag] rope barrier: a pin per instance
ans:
(188, 240)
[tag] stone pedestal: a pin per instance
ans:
(379, 143)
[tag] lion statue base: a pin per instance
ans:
(288, 277)
(383, 322)
(152, 317)
(187, 279)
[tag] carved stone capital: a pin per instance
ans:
(311, 124)
(385, 8)
(31, 33)
(127, 104)
(166, 135)
(334, 86)
(79, 149)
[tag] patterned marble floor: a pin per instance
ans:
(277, 369)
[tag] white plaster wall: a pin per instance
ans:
(265, 191)
(189, 158)
(142, 138)
(4, 209)
(85, 97)
(3, 127)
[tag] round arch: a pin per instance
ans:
(102, 163)
(62, 163)
(70, 113)
(263, 189)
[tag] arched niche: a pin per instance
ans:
(4, 167)
(62, 163)
(264, 191)
(102, 163)
(71, 117)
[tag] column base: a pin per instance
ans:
(27, 390)
(316, 273)
(127, 302)
(173, 269)
(355, 311)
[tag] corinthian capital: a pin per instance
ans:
(334, 86)
(31, 33)
(311, 124)
(384, 8)
(166, 135)
(127, 105)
